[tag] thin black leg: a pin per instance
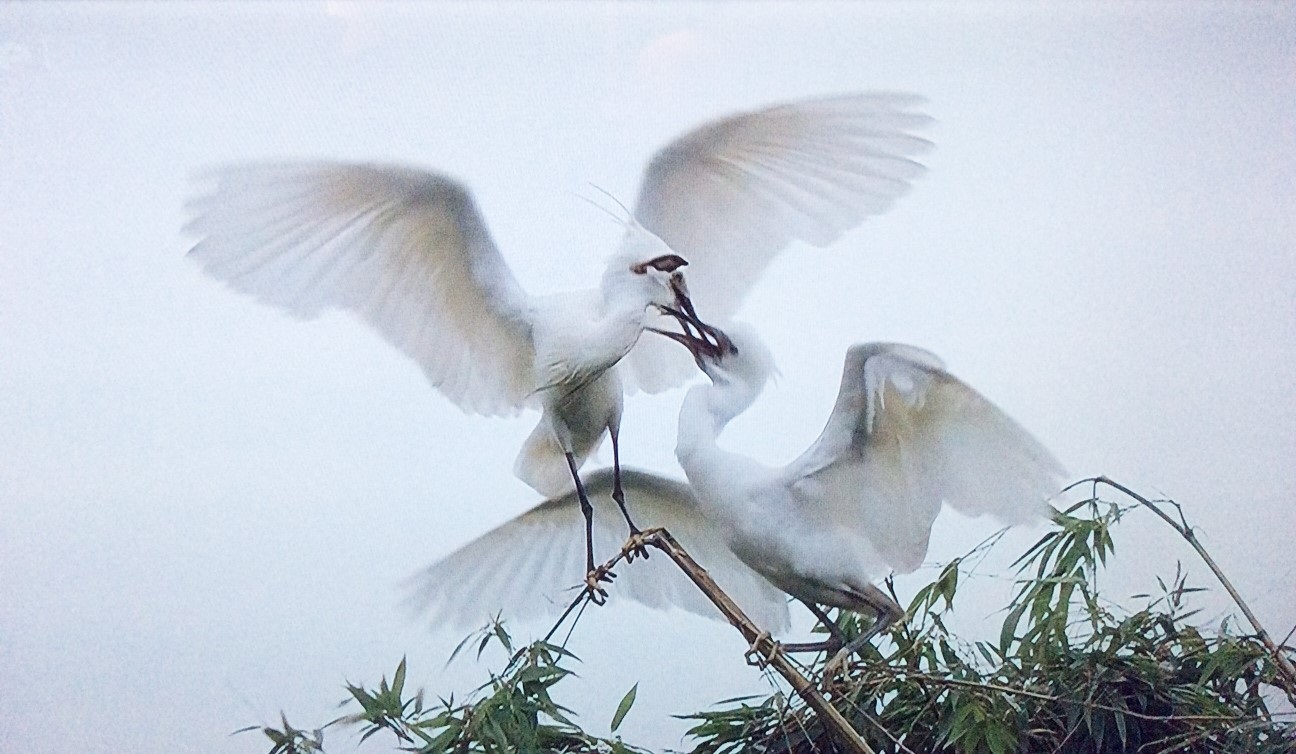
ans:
(836, 639)
(593, 575)
(828, 623)
(635, 546)
(617, 493)
(587, 510)
(888, 612)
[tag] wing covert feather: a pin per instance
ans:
(403, 249)
(534, 565)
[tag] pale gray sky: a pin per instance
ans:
(207, 509)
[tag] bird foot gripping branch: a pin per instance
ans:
(836, 675)
(636, 545)
(763, 650)
(595, 579)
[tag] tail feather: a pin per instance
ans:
(542, 464)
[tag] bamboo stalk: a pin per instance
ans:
(760, 640)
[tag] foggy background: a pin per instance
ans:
(207, 509)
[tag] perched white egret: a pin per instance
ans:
(407, 251)
(904, 437)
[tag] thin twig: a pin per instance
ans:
(1181, 526)
(580, 600)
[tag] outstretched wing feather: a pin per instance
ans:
(534, 565)
(403, 249)
(730, 195)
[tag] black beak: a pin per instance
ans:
(698, 347)
(703, 350)
(689, 320)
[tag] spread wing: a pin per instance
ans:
(731, 194)
(534, 565)
(905, 436)
(403, 249)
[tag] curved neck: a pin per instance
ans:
(620, 326)
(697, 429)
(706, 410)
(618, 317)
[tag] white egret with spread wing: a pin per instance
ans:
(407, 251)
(904, 437)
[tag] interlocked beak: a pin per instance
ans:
(698, 344)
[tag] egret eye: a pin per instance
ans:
(664, 263)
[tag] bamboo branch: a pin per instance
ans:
(761, 642)
(769, 650)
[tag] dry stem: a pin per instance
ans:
(761, 642)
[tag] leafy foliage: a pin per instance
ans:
(1069, 673)
(513, 712)
(290, 740)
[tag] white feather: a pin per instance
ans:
(906, 436)
(903, 438)
(407, 252)
(403, 249)
(530, 567)
(729, 195)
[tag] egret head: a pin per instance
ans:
(656, 274)
(645, 265)
(737, 357)
(742, 357)
(738, 365)
(661, 279)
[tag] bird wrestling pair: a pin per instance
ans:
(407, 251)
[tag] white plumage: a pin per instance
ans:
(526, 568)
(407, 251)
(730, 195)
(903, 438)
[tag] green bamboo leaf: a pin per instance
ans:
(627, 702)
(1034, 550)
(503, 636)
(998, 738)
(398, 681)
(920, 598)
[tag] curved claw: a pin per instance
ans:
(636, 545)
(756, 657)
(593, 580)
